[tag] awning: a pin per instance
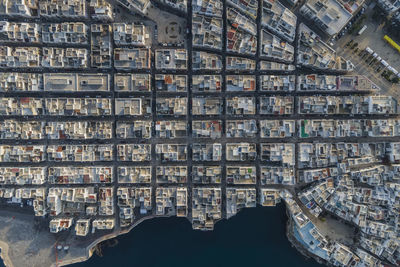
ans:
(384, 63)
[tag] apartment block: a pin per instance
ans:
(206, 61)
(325, 155)
(106, 201)
(278, 153)
(207, 31)
(206, 152)
(277, 175)
(19, 82)
(22, 175)
(78, 106)
(82, 227)
(171, 59)
(171, 129)
(67, 200)
(206, 106)
(208, 7)
(134, 152)
(240, 83)
(134, 175)
(176, 106)
(132, 58)
(315, 54)
(133, 106)
(207, 129)
(389, 6)
(329, 15)
(80, 175)
(331, 128)
(355, 83)
(315, 82)
(76, 82)
(376, 104)
(133, 202)
(275, 48)
(170, 83)
(68, 9)
(277, 128)
(269, 197)
(240, 63)
(25, 130)
(278, 83)
(65, 32)
(31, 153)
(79, 153)
(240, 105)
(133, 82)
(171, 174)
(19, 32)
(22, 106)
(64, 57)
(206, 207)
(78, 130)
(20, 8)
(101, 10)
(36, 196)
(241, 33)
(234, 16)
(279, 19)
(270, 65)
(278, 105)
(171, 152)
(171, 201)
(136, 5)
(134, 129)
(249, 7)
(241, 128)
(60, 224)
(206, 83)
(131, 34)
(206, 174)
(241, 175)
(181, 202)
(239, 198)
(103, 224)
(100, 46)
(376, 128)
(241, 151)
(19, 57)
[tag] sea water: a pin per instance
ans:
(255, 237)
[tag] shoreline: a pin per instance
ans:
(4, 254)
(91, 246)
(89, 250)
(300, 248)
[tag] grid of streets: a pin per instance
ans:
(166, 150)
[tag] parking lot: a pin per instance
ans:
(364, 64)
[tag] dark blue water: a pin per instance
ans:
(1, 261)
(255, 237)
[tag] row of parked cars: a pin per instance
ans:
(351, 22)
